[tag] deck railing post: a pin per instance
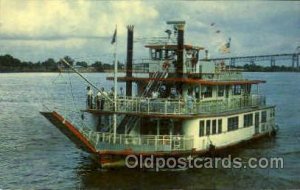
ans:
(97, 140)
(166, 108)
(155, 142)
(148, 109)
(179, 111)
(136, 106)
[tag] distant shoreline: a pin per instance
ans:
(9, 64)
(125, 72)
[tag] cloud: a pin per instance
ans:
(67, 24)
(36, 30)
(70, 18)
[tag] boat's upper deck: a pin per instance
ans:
(179, 107)
(175, 81)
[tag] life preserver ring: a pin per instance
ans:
(166, 65)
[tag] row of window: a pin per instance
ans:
(233, 123)
(236, 90)
(211, 127)
(248, 120)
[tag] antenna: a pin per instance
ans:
(176, 22)
(176, 25)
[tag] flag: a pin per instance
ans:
(225, 48)
(114, 38)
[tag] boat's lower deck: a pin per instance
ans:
(144, 134)
(158, 136)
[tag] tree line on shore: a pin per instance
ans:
(275, 68)
(10, 64)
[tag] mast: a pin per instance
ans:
(115, 85)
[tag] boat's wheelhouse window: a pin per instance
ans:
(221, 90)
(207, 91)
(220, 126)
(207, 127)
(236, 89)
(264, 116)
(159, 54)
(272, 113)
(233, 123)
(201, 128)
(248, 120)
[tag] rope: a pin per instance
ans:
(106, 96)
(73, 99)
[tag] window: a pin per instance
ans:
(248, 120)
(158, 54)
(248, 88)
(207, 91)
(220, 126)
(272, 113)
(208, 127)
(233, 123)
(152, 53)
(264, 116)
(221, 91)
(214, 127)
(201, 128)
(236, 89)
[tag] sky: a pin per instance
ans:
(35, 30)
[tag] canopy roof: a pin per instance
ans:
(189, 80)
(173, 47)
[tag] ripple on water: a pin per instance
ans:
(35, 155)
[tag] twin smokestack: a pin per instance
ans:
(129, 59)
(180, 53)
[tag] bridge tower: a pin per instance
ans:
(272, 61)
(295, 60)
(232, 62)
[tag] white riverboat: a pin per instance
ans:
(184, 105)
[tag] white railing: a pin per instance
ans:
(181, 107)
(102, 140)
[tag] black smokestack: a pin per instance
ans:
(180, 48)
(180, 58)
(129, 59)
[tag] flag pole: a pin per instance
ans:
(115, 86)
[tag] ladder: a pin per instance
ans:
(129, 121)
(154, 85)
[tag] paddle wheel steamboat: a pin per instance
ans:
(183, 105)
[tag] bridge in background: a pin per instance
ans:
(293, 57)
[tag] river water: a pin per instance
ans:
(35, 155)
